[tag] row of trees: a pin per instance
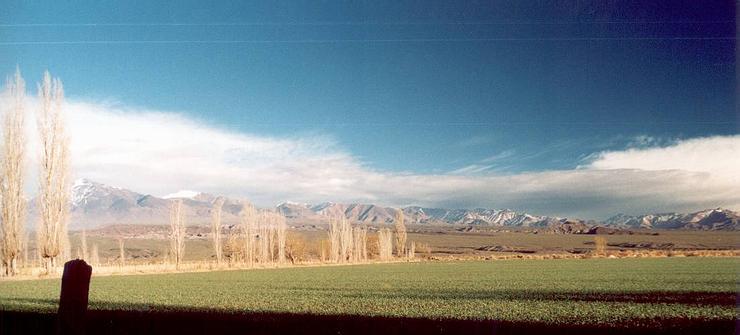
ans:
(260, 238)
(90, 255)
(349, 244)
(52, 237)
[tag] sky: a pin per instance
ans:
(569, 108)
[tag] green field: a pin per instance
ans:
(590, 291)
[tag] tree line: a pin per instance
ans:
(261, 238)
(53, 189)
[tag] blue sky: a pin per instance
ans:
(403, 87)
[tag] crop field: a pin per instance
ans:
(588, 291)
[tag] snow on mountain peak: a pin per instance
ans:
(187, 194)
(81, 190)
(80, 182)
(293, 203)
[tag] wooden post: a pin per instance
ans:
(73, 299)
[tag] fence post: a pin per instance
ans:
(73, 299)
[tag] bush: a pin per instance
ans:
(599, 245)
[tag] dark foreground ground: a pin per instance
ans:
(205, 322)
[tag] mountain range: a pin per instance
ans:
(368, 213)
(94, 205)
(709, 219)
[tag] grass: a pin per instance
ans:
(590, 291)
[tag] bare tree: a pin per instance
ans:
(295, 248)
(411, 251)
(121, 252)
(270, 227)
(248, 222)
(83, 245)
(334, 240)
(53, 191)
(385, 244)
(400, 234)
(345, 233)
(282, 228)
(363, 248)
(323, 251)
(12, 202)
(340, 239)
(216, 228)
(177, 232)
(359, 244)
(94, 257)
(66, 248)
(372, 245)
(233, 249)
(263, 238)
(25, 250)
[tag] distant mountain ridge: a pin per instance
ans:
(709, 219)
(369, 213)
(94, 204)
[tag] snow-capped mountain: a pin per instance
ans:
(91, 197)
(369, 213)
(183, 194)
(95, 204)
(710, 219)
(86, 192)
(356, 212)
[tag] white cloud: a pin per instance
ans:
(718, 156)
(161, 153)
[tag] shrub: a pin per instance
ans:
(600, 245)
(424, 248)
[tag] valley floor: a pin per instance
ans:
(149, 244)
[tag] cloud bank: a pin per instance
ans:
(161, 153)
